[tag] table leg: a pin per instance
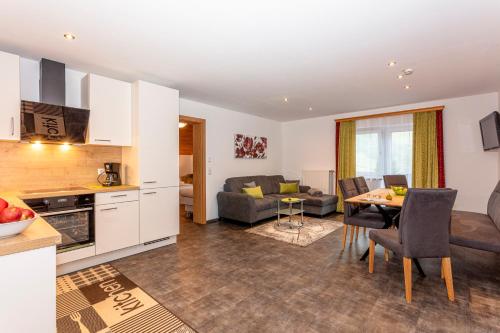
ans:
(301, 213)
(278, 213)
(419, 268)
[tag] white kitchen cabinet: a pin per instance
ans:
(153, 161)
(159, 213)
(116, 226)
(109, 101)
(10, 97)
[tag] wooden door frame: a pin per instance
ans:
(199, 168)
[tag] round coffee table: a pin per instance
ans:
(290, 211)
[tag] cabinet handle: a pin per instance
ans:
(113, 208)
(149, 193)
(150, 182)
(102, 140)
(118, 195)
(12, 126)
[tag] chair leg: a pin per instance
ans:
(357, 232)
(371, 256)
(352, 235)
(407, 273)
(386, 255)
(442, 270)
(448, 278)
(345, 236)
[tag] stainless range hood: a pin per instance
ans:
(50, 121)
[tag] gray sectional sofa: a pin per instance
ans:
(235, 205)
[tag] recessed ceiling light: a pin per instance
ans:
(310, 108)
(400, 76)
(285, 99)
(391, 63)
(182, 125)
(407, 87)
(407, 71)
(69, 36)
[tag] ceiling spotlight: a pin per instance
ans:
(407, 71)
(285, 99)
(69, 36)
(407, 87)
(310, 108)
(400, 76)
(391, 63)
(182, 125)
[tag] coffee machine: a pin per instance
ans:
(112, 171)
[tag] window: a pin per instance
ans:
(383, 147)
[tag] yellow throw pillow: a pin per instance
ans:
(254, 192)
(289, 188)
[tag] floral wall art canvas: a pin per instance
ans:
(250, 146)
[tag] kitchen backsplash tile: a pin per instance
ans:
(26, 166)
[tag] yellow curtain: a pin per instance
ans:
(346, 156)
(425, 152)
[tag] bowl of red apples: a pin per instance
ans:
(13, 220)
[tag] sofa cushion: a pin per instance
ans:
(474, 230)
(286, 188)
(494, 206)
(254, 192)
(324, 200)
(270, 184)
(266, 203)
(235, 184)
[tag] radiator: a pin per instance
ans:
(323, 180)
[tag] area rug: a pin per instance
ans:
(101, 299)
(312, 230)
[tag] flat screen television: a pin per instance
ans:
(490, 131)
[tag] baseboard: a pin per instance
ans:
(106, 257)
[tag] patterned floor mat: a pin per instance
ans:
(101, 299)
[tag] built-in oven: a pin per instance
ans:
(72, 216)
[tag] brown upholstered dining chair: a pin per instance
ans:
(395, 180)
(354, 216)
(424, 232)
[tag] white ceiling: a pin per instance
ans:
(248, 55)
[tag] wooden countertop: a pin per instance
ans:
(41, 234)
(84, 190)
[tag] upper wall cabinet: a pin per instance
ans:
(10, 97)
(109, 101)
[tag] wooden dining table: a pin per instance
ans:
(377, 198)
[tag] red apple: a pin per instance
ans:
(27, 214)
(3, 204)
(10, 214)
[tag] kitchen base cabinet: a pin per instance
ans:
(116, 226)
(159, 213)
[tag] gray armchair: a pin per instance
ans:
(424, 232)
(395, 180)
(354, 215)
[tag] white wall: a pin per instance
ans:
(310, 144)
(185, 164)
(221, 125)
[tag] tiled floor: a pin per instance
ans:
(219, 278)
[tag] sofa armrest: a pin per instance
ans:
(237, 206)
(304, 188)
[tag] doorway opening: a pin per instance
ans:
(192, 190)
